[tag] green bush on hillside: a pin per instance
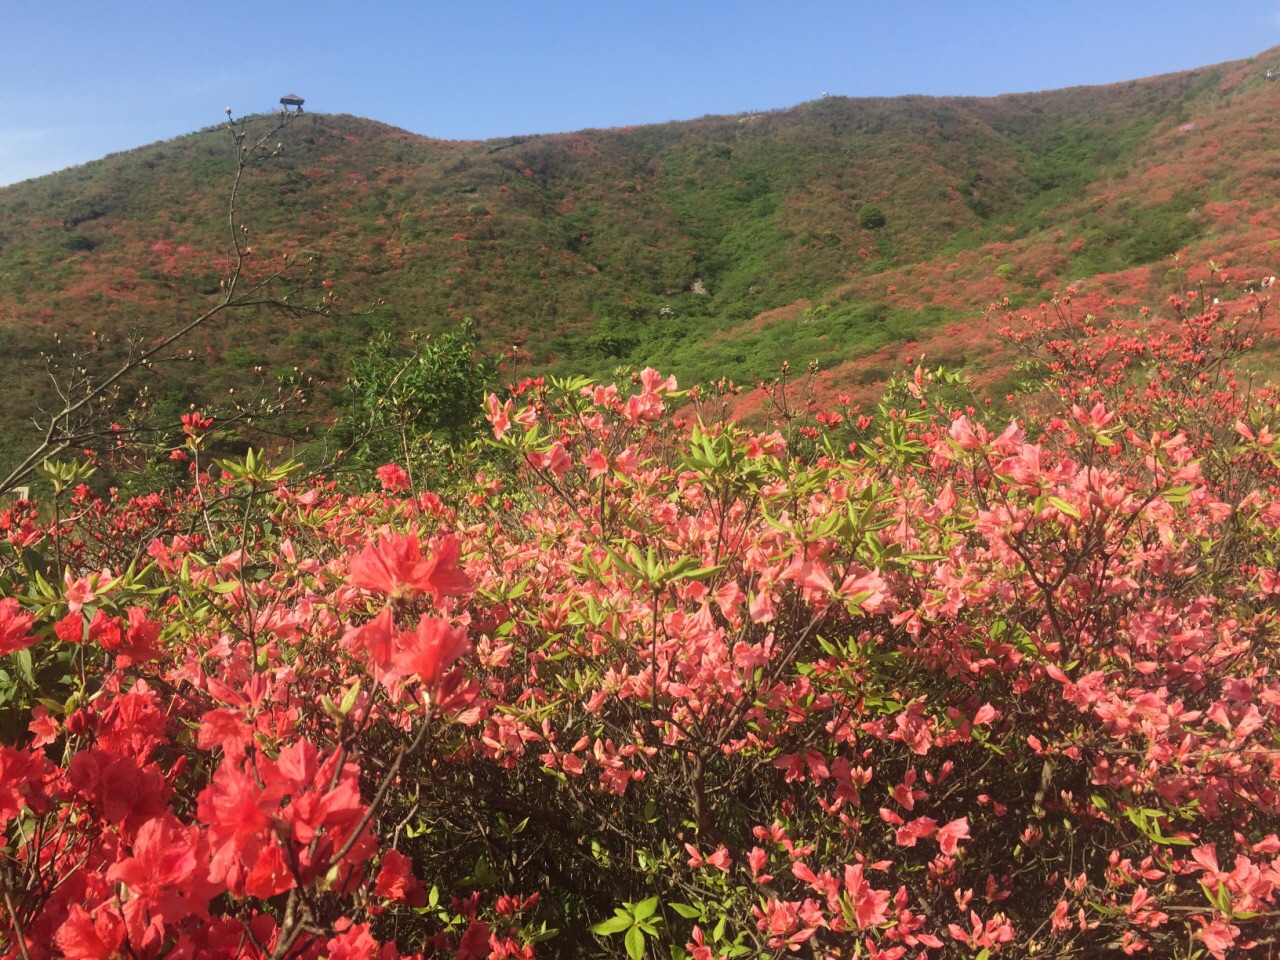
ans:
(871, 217)
(1163, 231)
(403, 395)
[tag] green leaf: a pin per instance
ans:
(349, 700)
(645, 908)
(1065, 507)
(1221, 898)
(651, 811)
(546, 933)
(331, 709)
(686, 911)
(613, 925)
(635, 943)
(509, 831)
(23, 657)
(701, 573)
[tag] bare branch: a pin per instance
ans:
(79, 393)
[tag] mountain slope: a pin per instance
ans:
(717, 246)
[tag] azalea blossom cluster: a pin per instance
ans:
(157, 808)
(914, 684)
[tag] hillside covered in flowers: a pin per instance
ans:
(847, 232)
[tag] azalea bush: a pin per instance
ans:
(898, 683)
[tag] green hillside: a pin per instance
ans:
(720, 246)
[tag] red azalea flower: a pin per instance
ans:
(949, 836)
(394, 478)
(78, 593)
(194, 425)
(395, 566)
(105, 630)
(475, 942)
(869, 906)
(164, 858)
(396, 880)
(140, 640)
(15, 627)
(430, 650)
(377, 638)
(91, 936)
(70, 629)
(353, 943)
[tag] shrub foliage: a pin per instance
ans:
(894, 684)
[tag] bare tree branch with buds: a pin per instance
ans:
(85, 397)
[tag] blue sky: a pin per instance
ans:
(84, 78)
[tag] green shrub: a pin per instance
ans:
(401, 394)
(871, 217)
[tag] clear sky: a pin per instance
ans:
(84, 78)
